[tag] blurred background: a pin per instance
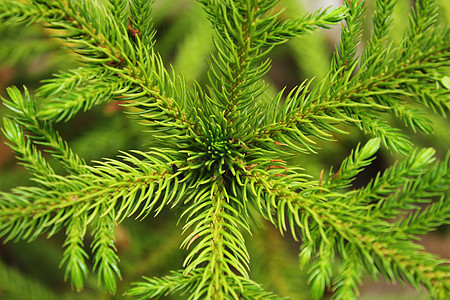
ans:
(29, 55)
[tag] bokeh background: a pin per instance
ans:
(28, 55)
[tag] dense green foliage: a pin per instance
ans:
(222, 151)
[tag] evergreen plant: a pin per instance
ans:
(221, 151)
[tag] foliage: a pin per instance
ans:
(221, 150)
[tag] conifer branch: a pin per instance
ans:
(114, 185)
(220, 149)
(104, 250)
(141, 66)
(422, 20)
(426, 220)
(141, 21)
(182, 283)
(167, 285)
(345, 59)
(42, 134)
(74, 254)
(12, 11)
(31, 158)
(72, 91)
(305, 112)
(382, 20)
(306, 214)
(345, 285)
(120, 10)
(220, 251)
(352, 165)
(243, 43)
